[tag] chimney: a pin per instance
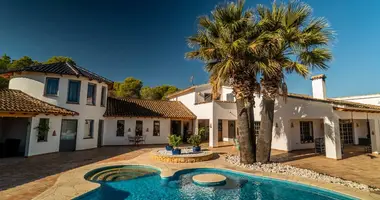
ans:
(319, 86)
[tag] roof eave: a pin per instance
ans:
(351, 109)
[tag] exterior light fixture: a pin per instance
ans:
(291, 125)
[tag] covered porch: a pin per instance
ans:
(21, 121)
(182, 127)
(14, 134)
(218, 131)
(347, 132)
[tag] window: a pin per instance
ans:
(103, 96)
(74, 92)
(207, 97)
(156, 128)
(139, 128)
(91, 94)
(230, 97)
(306, 130)
(43, 129)
(51, 86)
(256, 127)
(69, 129)
(120, 128)
(346, 131)
(89, 129)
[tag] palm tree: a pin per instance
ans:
(222, 43)
(292, 41)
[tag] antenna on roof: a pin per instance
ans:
(192, 80)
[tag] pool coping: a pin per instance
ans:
(72, 183)
(182, 158)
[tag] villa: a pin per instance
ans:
(300, 121)
(74, 103)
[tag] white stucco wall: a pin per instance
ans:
(52, 143)
(295, 109)
(319, 88)
(360, 130)
(295, 133)
(224, 91)
(188, 100)
(366, 99)
(33, 84)
(199, 93)
(375, 135)
(225, 110)
(110, 125)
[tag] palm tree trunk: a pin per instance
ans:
(247, 155)
(251, 135)
(264, 142)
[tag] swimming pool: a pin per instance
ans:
(123, 182)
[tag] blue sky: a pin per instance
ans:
(146, 39)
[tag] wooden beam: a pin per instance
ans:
(8, 114)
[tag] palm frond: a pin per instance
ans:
(316, 58)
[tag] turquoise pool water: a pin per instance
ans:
(145, 183)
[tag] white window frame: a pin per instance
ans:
(306, 126)
(90, 134)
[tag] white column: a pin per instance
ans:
(195, 126)
(28, 135)
(375, 135)
(332, 137)
(356, 131)
(182, 133)
(213, 135)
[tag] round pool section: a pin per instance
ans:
(181, 186)
(120, 173)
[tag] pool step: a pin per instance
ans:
(120, 173)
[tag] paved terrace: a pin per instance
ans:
(43, 176)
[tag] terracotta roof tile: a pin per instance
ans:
(19, 102)
(130, 107)
(64, 69)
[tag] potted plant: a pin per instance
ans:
(195, 140)
(175, 141)
(169, 147)
(42, 128)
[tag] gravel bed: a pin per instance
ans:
(294, 171)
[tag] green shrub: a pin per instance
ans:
(195, 140)
(202, 131)
(175, 140)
